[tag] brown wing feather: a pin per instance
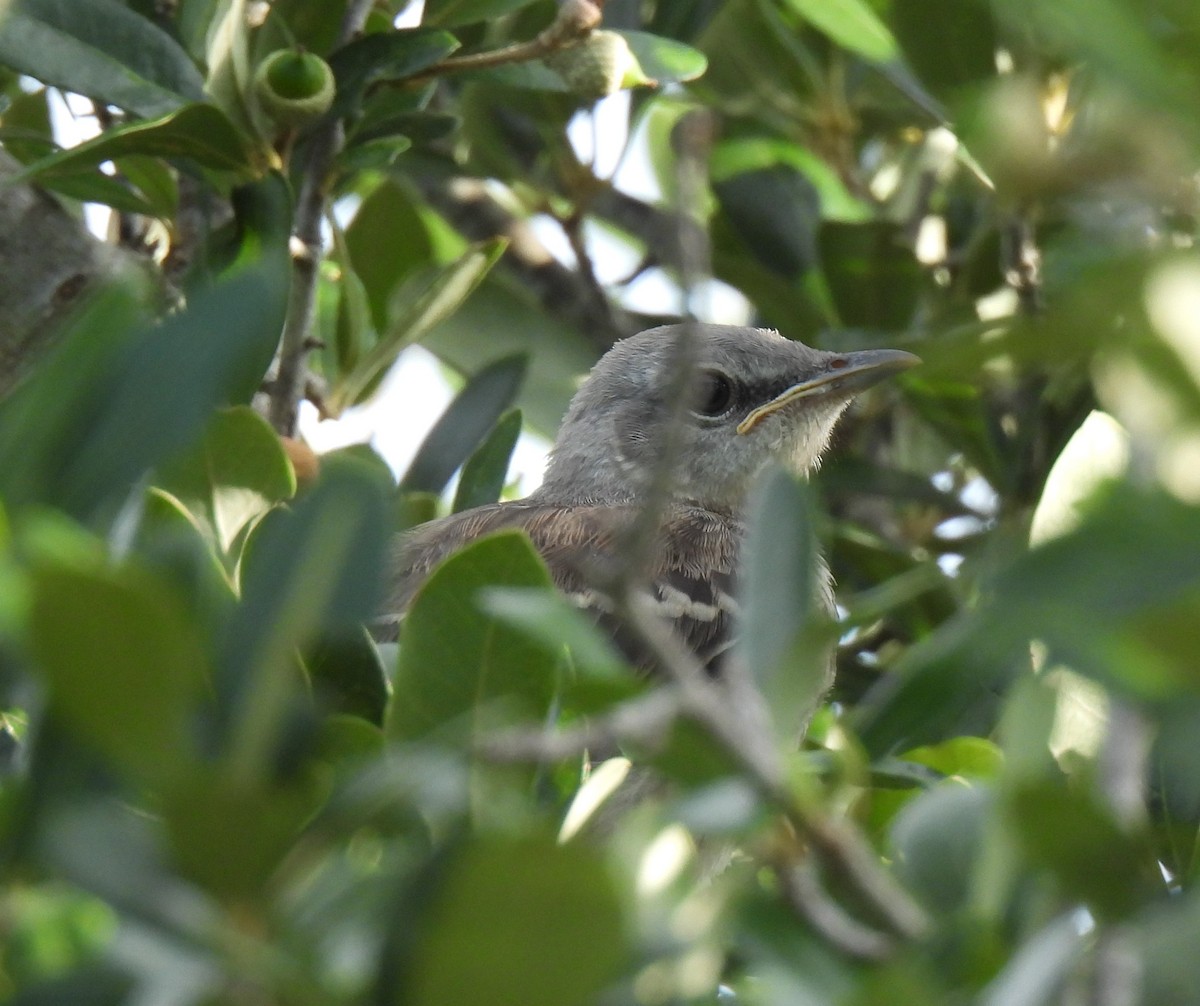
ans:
(691, 576)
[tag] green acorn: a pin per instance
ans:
(599, 65)
(294, 87)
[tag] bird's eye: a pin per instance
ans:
(715, 395)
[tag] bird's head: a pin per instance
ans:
(756, 397)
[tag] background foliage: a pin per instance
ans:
(215, 789)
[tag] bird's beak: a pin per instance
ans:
(845, 376)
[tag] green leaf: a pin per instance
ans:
(466, 421)
(123, 661)
(665, 60)
(377, 258)
(459, 666)
(392, 55)
(199, 132)
(348, 675)
(852, 24)
(308, 572)
(163, 390)
(101, 49)
(781, 591)
(423, 302)
(514, 922)
(483, 475)
(234, 475)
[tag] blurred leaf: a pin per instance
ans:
(936, 840)
(664, 59)
(229, 837)
(201, 133)
(874, 279)
(97, 187)
(949, 45)
(850, 23)
(93, 984)
(776, 211)
(156, 395)
(101, 49)
(1161, 937)
(348, 675)
(1097, 862)
(307, 571)
(483, 474)
(465, 423)
(391, 55)
(513, 922)
(417, 306)
(123, 661)
(459, 667)
(967, 757)
(782, 594)
(237, 472)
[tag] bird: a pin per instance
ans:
(754, 398)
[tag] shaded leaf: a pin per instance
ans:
(665, 60)
(484, 472)
(391, 55)
(199, 132)
(466, 421)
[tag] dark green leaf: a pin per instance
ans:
(776, 212)
(874, 278)
(348, 675)
(101, 49)
(380, 260)
(311, 571)
(199, 132)
(392, 55)
(484, 472)
(464, 424)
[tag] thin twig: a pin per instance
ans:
(575, 20)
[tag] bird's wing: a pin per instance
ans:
(690, 576)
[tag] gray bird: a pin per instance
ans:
(756, 397)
